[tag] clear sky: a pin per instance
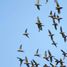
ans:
(15, 17)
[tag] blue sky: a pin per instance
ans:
(15, 17)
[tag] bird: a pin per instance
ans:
(39, 24)
(45, 56)
(45, 65)
(32, 64)
(61, 62)
(50, 56)
(54, 43)
(37, 54)
(58, 8)
(64, 53)
(20, 49)
(36, 64)
(63, 34)
(26, 62)
(50, 34)
(21, 60)
(51, 14)
(52, 65)
(59, 18)
(55, 24)
(26, 33)
(57, 61)
(38, 4)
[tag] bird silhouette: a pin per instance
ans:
(32, 64)
(64, 53)
(26, 62)
(50, 34)
(37, 54)
(20, 49)
(26, 33)
(46, 65)
(58, 8)
(52, 65)
(59, 18)
(38, 4)
(46, 57)
(50, 56)
(54, 43)
(21, 60)
(39, 24)
(46, 1)
(36, 64)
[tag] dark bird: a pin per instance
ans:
(52, 65)
(20, 49)
(51, 15)
(58, 8)
(37, 54)
(26, 33)
(21, 60)
(45, 56)
(61, 62)
(39, 24)
(55, 24)
(38, 4)
(57, 61)
(26, 62)
(58, 18)
(64, 53)
(50, 56)
(46, 65)
(63, 34)
(54, 43)
(36, 64)
(50, 34)
(32, 64)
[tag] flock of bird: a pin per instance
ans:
(47, 54)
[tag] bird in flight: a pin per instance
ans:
(26, 33)
(58, 8)
(26, 62)
(38, 4)
(46, 57)
(36, 64)
(64, 53)
(50, 34)
(63, 34)
(37, 54)
(39, 24)
(45, 65)
(20, 49)
(21, 60)
(50, 56)
(58, 18)
(32, 64)
(46, 1)
(54, 43)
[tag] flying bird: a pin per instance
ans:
(54, 43)
(50, 34)
(26, 62)
(50, 56)
(64, 53)
(46, 1)
(58, 8)
(45, 56)
(59, 18)
(46, 65)
(20, 49)
(51, 15)
(36, 64)
(32, 64)
(37, 54)
(21, 60)
(38, 4)
(39, 24)
(26, 33)
(52, 65)
(63, 34)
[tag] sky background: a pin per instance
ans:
(15, 17)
